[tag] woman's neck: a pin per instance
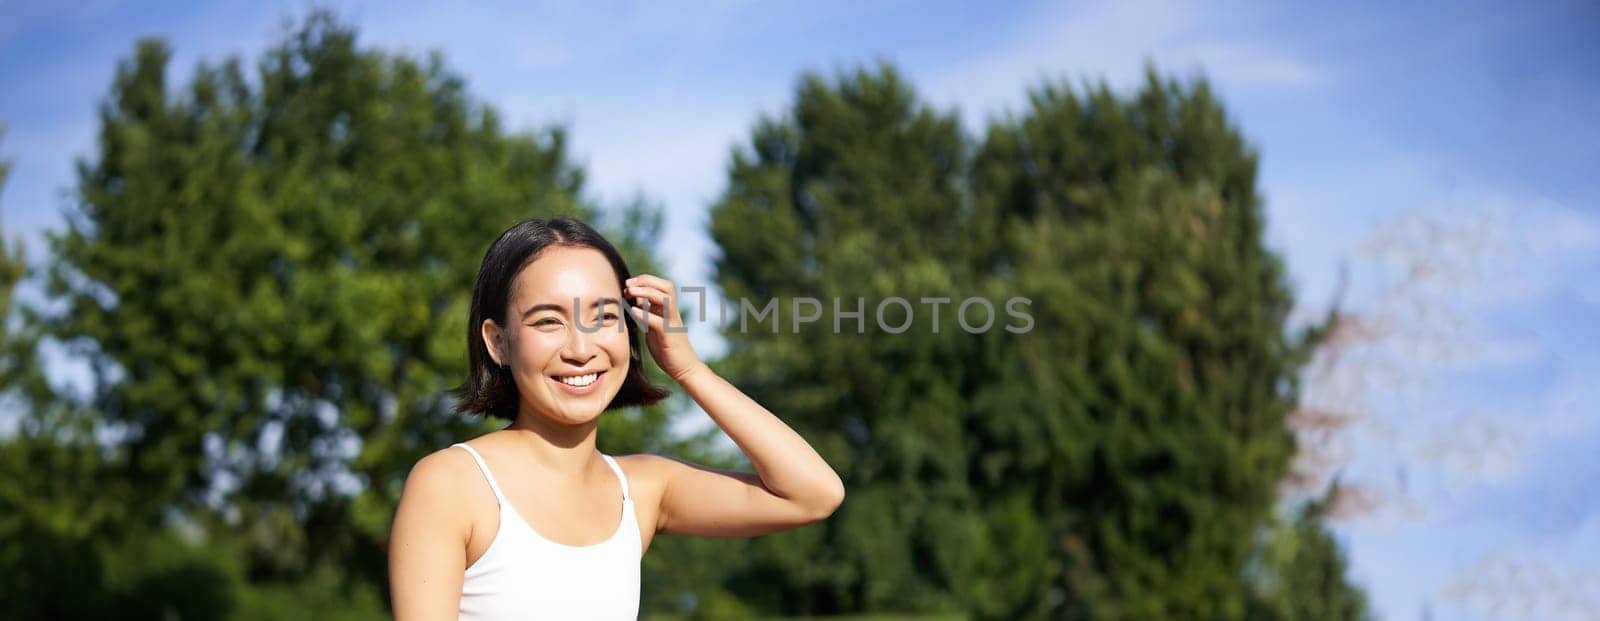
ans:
(561, 448)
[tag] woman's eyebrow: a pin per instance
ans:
(549, 306)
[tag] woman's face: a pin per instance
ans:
(565, 338)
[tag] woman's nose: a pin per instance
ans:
(580, 345)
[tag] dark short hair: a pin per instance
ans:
(490, 389)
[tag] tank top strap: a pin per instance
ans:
(621, 478)
(484, 466)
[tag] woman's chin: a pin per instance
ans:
(570, 410)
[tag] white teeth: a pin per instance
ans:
(580, 380)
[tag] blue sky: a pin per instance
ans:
(1446, 152)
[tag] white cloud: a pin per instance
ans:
(1433, 280)
(1113, 41)
(1555, 579)
(1525, 571)
(1243, 64)
(1468, 250)
(541, 54)
(1555, 229)
(1541, 242)
(1445, 458)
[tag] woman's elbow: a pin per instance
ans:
(828, 501)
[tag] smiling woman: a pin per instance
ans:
(532, 520)
(537, 283)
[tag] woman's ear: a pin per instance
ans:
(494, 341)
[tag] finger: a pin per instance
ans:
(658, 299)
(651, 280)
(661, 305)
(653, 321)
(640, 295)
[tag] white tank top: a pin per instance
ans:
(525, 576)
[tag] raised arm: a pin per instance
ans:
(427, 544)
(792, 484)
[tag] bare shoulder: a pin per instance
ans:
(438, 483)
(443, 468)
(644, 468)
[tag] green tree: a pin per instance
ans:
(856, 193)
(28, 512)
(1116, 461)
(1298, 571)
(59, 503)
(269, 278)
(1162, 357)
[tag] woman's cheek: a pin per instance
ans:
(535, 347)
(617, 346)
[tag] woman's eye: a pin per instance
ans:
(545, 323)
(609, 317)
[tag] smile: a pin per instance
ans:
(578, 384)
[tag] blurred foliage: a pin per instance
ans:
(1298, 571)
(266, 276)
(1117, 460)
(268, 280)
